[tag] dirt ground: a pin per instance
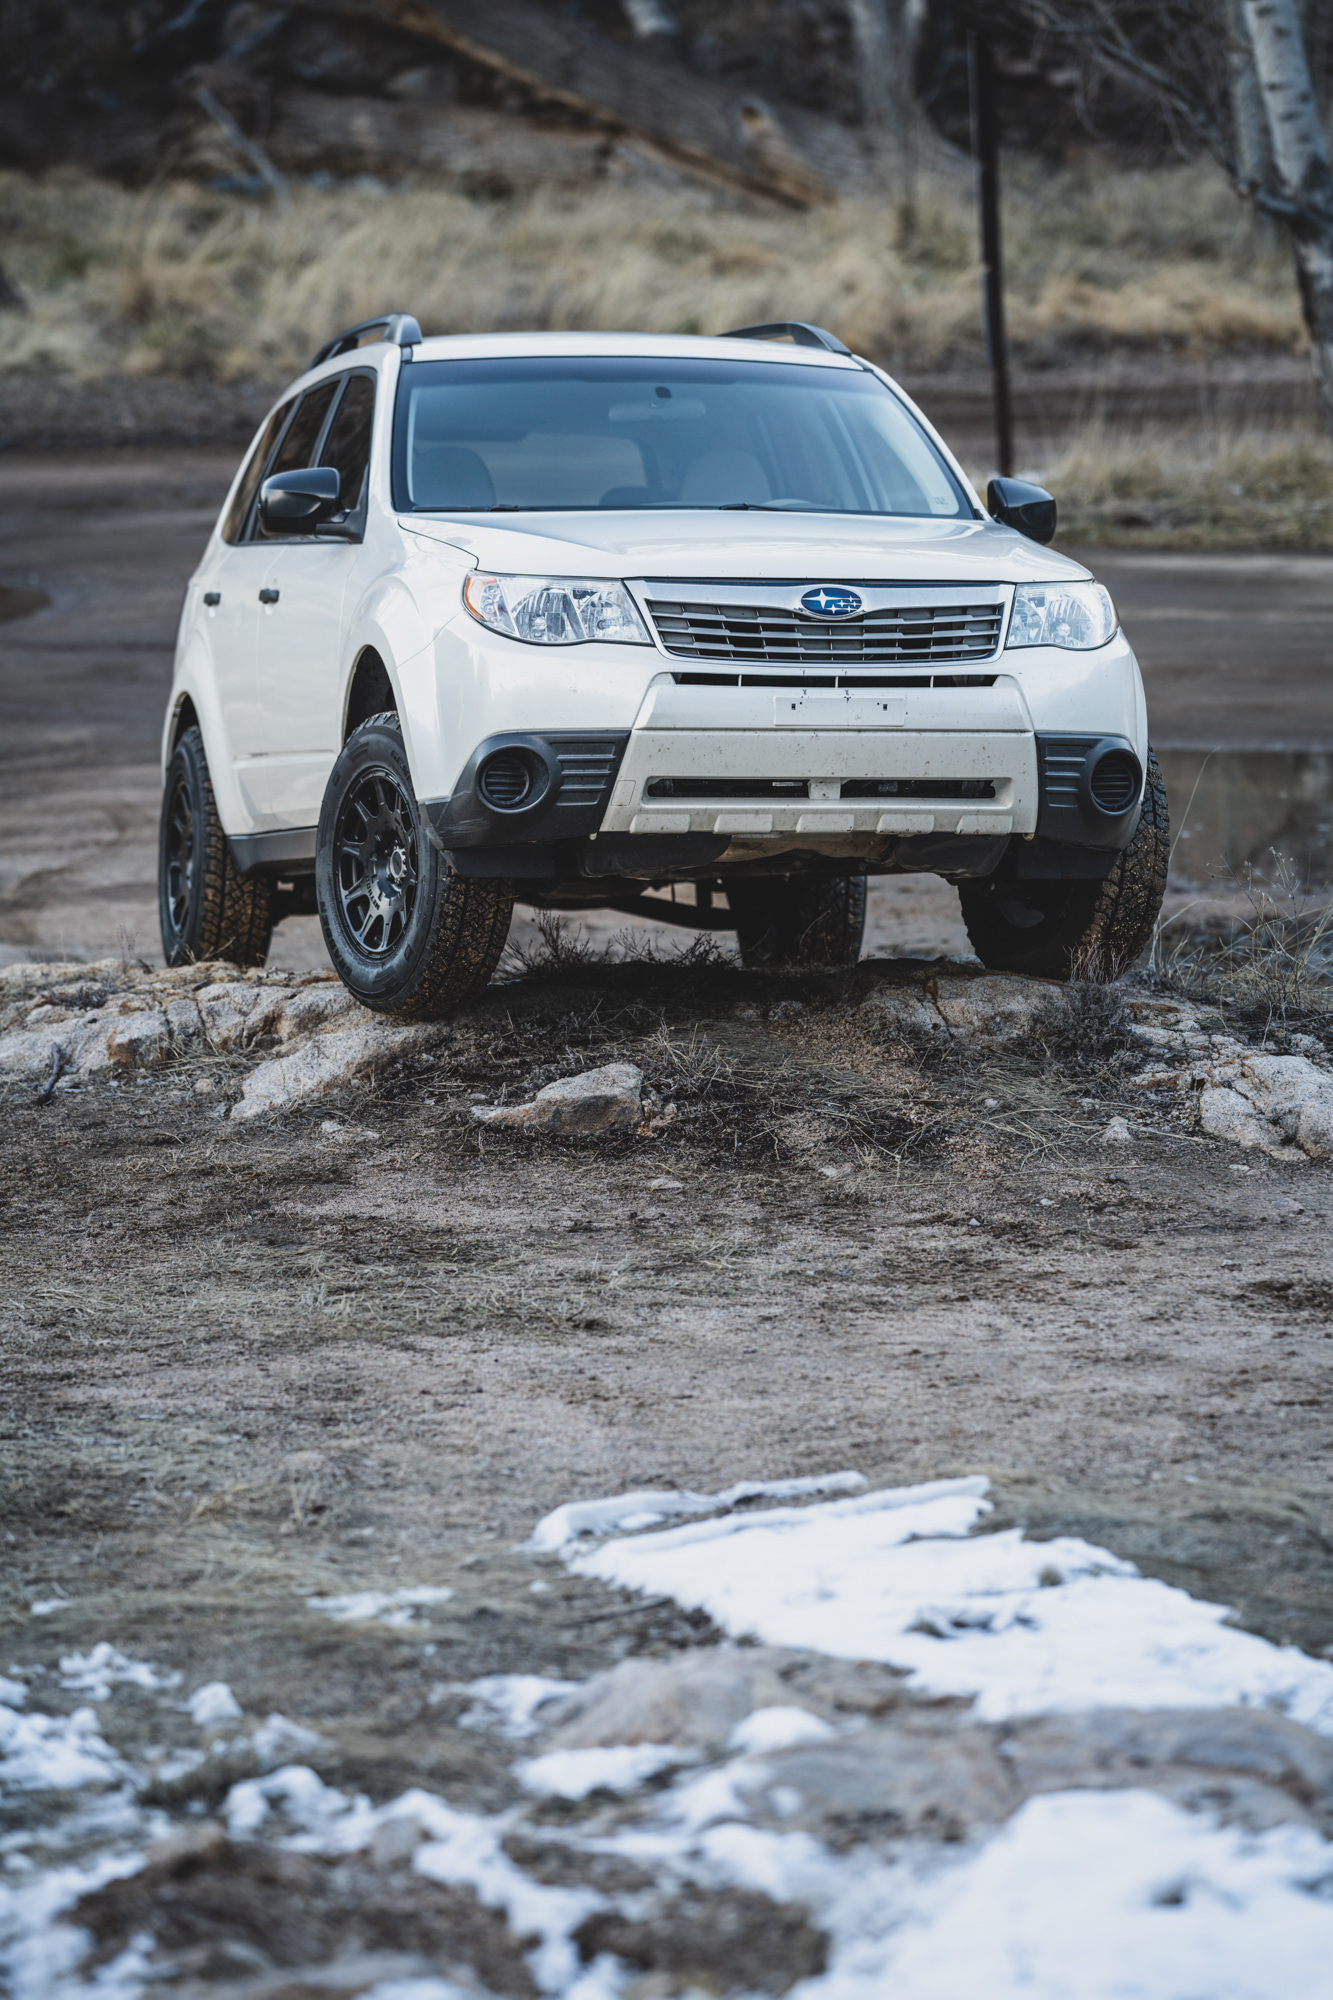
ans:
(246, 1364)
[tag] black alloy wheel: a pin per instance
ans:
(374, 860)
(178, 854)
(206, 910)
(406, 933)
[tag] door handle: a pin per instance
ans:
(212, 597)
(269, 596)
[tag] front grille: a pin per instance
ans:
(848, 682)
(766, 634)
(587, 766)
(918, 788)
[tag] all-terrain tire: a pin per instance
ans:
(1056, 930)
(407, 935)
(206, 910)
(799, 920)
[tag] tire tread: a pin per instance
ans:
(233, 917)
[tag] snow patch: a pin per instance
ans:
(778, 1728)
(1104, 1895)
(213, 1704)
(59, 1753)
(509, 1702)
(306, 1800)
(97, 1672)
(1024, 1627)
(277, 1738)
(645, 1509)
(385, 1607)
(572, 1774)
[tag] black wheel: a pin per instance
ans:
(406, 934)
(1056, 930)
(799, 919)
(206, 909)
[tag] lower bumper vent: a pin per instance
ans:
(799, 788)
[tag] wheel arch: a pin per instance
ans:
(370, 691)
(185, 716)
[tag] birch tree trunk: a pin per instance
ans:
(1300, 157)
(885, 33)
(1254, 155)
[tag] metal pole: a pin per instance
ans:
(986, 151)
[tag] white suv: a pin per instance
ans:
(568, 617)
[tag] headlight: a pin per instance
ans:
(1077, 616)
(555, 610)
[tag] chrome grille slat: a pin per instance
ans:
(769, 635)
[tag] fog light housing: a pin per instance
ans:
(1114, 780)
(512, 780)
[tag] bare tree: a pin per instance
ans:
(1300, 157)
(1214, 69)
(885, 35)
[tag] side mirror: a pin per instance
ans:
(291, 501)
(1016, 503)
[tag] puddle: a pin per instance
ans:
(1239, 809)
(17, 601)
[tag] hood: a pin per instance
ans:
(769, 547)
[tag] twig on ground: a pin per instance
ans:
(58, 1061)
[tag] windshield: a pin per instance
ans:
(549, 432)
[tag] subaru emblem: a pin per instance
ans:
(831, 600)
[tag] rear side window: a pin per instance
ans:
(233, 527)
(347, 446)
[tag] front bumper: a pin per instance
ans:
(737, 769)
(679, 798)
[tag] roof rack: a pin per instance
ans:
(399, 327)
(798, 331)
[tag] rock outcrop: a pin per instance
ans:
(1281, 1104)
(89, 1019)
(600, 1100)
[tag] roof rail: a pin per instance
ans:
(399, 327)
(798, 331)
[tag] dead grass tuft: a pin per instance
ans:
(184, 280)
(1275, 965)
(1205, 485)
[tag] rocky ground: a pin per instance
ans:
(301, 1343)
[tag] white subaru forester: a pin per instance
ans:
(570, 617)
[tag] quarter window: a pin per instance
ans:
(298, 446)
(233, 527)
(347, 446)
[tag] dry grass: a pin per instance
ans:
(1275, 964)
(1201, 486)
(179, 279)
